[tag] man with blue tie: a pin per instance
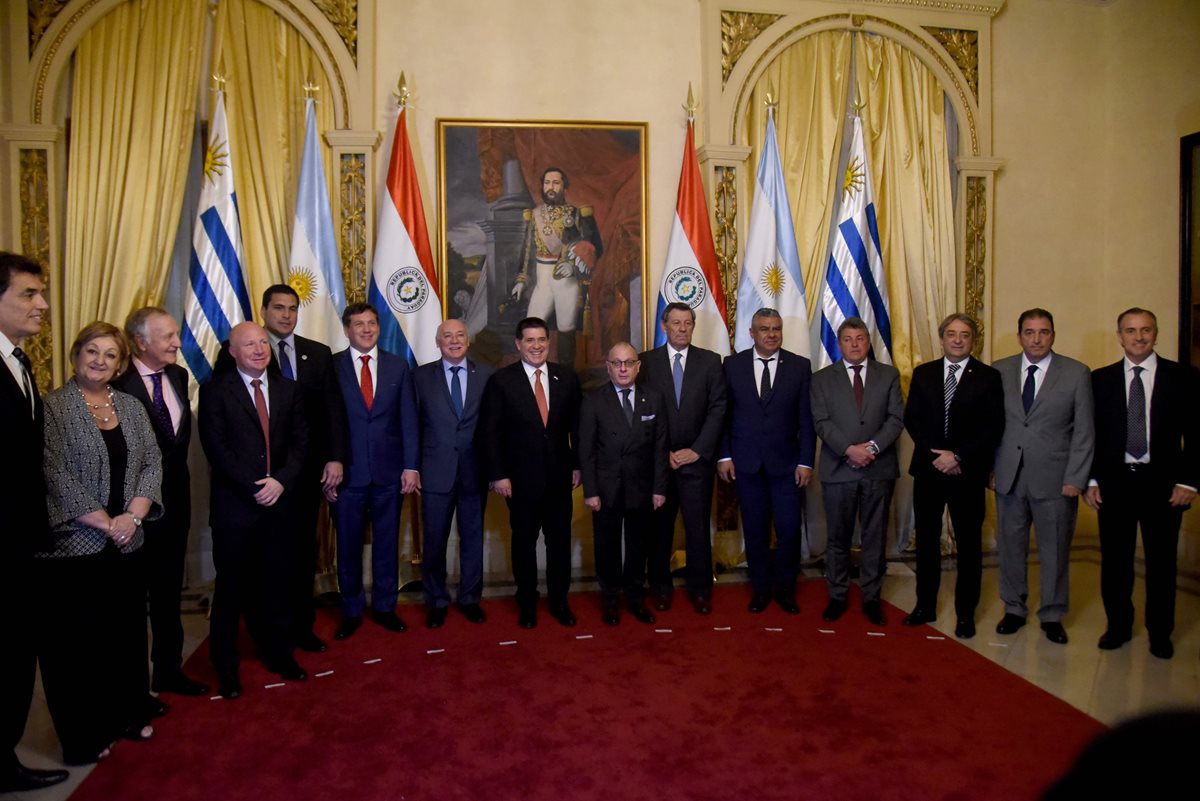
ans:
(381, 410)
(448, 395)
(768, 453)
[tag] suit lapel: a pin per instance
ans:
(1048, 383)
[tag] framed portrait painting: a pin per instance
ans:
(544, 219)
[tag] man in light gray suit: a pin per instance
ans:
(858, 413)
(1041, 469)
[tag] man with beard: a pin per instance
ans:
(567, 244)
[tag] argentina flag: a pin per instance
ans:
(854, 280)
(216, 298)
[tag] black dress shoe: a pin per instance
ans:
(390, 621)
(562, 613)
(662, 603)
(641, 614)
(1055, 632)
(1112, 640)
(1162, 647)
(874, 612)
(1010, 624)
(610, 616)
(473, 612)
(347, 627)
(759, 602)
(21, 779)
(435, 617)
(919, 617)
(833, 610)
(311, 643)
(229, 687)
(965, 629)
(702, 605)
(154, 708)
(176, 681)
(787, 602)
(527, 618)
(288, 669)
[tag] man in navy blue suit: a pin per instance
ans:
(381, 410)
(448, 395)
(768, 453)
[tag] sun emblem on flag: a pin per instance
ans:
(773, 280)
(856, 176)
(216, 159)
(305, 282)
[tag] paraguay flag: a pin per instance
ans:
(403, 286)
(690, 275)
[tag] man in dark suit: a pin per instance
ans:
(858, 414)
(253, 431)
(955, 416)
(448, 394)
(381, 410)
(22, 496)
(310, 364)
(1144, 474)
(691, 380)
(624, 460)
(768, 453)
(527, 435)
(161, 385)
(1041, 469)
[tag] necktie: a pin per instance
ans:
(1135, 429)
(948, 392)
(1027, 390)
(627, 405)
(764, 386)
(161, 412)
(677, 377)
(456, 399)
(285, 364)
(27, 385)
(540, 395)
(260, 406)
(858, 385)
(365, 384)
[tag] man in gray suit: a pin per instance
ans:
(1041, 468)
(858, 413)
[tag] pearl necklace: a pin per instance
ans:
(93, 408)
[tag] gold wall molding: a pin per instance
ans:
(989, 7)
(963, 47)
(41, 14)
(738, 30)
(343, 16)
(34, 194)
(39, 84)
(352, 238)
(725, 236)
(975, 253)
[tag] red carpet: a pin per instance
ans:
(631, 713)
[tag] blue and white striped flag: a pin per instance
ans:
(854, 281)
(771, 268)
(315, 270)
(216, 298)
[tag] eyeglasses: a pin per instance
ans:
(629, 363)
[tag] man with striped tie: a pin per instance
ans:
(955, 416)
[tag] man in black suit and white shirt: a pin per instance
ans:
(691, 380)
(161, 385)
(955, 416)
(1144, 474)
(623, 456)
(22, 496)
(527, 436)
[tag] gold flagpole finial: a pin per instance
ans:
(691, 105)
(859, 105)
(402, 93)
(310, 89)
(771, 101)
(218, 82)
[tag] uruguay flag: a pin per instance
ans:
(854, 280)
(690, 275)
(315, 270)
(771, 268)
(403, 285)
(216, 298)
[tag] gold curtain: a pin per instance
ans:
(132, 117)
(810, 80)
(904, 125)
(267, 63)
